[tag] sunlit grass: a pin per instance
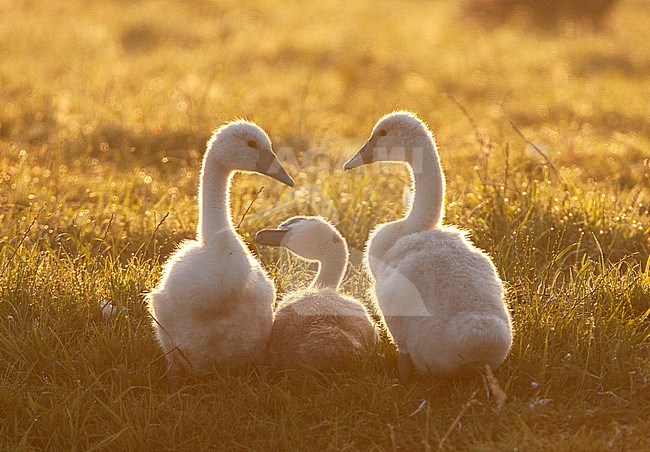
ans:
(102, 127)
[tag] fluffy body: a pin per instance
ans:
(441, 299)
(213, 306)
(440, 296)
(318, 327)
(212, 313)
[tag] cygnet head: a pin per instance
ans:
(244, 146)
(397, 137)
(311, 238)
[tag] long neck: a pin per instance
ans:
(428, 186)
(214, 203)
(331, 268)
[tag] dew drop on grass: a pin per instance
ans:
(537, 402)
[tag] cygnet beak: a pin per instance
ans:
(280, 174)
(271, 237)
(359, 160)
(269, 165)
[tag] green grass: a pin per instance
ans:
(102, 127)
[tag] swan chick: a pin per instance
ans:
(318, 327)
(440, 296)
(213, 306)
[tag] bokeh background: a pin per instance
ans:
(130, 91)
(100, 78)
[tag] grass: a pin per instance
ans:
(102, 127)
(592, 13)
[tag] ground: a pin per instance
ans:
(105, 108)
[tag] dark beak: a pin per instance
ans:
(271, 237)
(360, 158)
(280, 174)
(270, 166)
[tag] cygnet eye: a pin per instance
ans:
(252, 143)
(381, 133)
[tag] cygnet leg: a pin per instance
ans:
(405, 368)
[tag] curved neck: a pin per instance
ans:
(331, 268)
(214, 204)
(428, 187)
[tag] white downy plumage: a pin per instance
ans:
(213, 306)
(317, 327)
(440, 296)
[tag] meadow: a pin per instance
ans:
(544, 135)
